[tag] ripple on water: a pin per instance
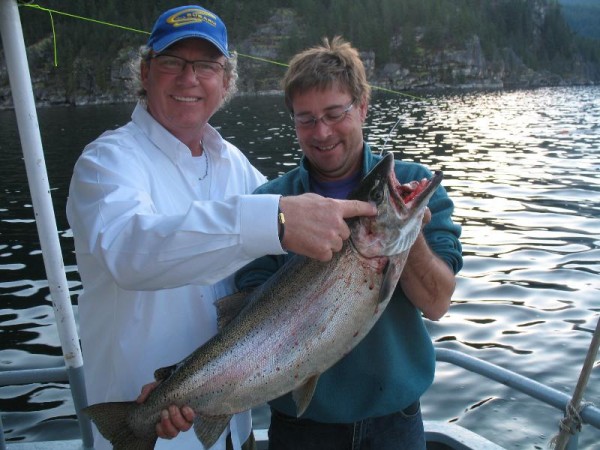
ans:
(523, 170)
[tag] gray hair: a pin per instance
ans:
(144, 56)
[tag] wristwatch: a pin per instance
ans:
(280, 224)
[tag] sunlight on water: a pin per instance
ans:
(523, 168)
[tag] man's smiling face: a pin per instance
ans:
(334, 150)
(183, 103)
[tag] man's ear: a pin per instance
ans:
(226, 81)
(144, 69)
(363, 108)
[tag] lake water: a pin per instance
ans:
(523, 168)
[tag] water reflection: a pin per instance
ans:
(523, 170)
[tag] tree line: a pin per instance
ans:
(395, 30)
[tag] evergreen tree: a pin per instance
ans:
(370, 25)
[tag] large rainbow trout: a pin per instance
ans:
(299, 323)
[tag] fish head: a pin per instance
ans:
(400, 210)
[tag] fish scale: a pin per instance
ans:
(304, 319)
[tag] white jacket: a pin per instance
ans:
(154, 246)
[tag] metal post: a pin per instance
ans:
(31, 143)
(2, 443)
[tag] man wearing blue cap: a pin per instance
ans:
(161, 214)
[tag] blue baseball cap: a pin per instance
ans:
(188, 22)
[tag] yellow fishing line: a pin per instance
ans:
(53, 40)
(74, 16)
(416, 97)
(264, 60)
(101, 22)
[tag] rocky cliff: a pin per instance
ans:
(462, 65)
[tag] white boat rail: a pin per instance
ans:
(37, 177)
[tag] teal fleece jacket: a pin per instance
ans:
(394, 364)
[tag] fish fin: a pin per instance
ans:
(162, 373)
(112, 421)
(389, 280)
(229, 307)
(303, 394)
(209, 428)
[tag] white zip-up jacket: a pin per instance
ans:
(155, 242)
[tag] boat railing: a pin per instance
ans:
(37, 177)
(589, 414)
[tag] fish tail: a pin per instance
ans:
(112, 420)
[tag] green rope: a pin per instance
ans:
(109, 24)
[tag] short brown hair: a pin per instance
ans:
(321, 66)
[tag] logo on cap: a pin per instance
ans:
(192, 15)
(188, 22)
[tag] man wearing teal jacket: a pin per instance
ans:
(369, 399)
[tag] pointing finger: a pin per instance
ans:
(354, 208)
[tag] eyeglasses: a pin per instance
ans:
(175, 65)
(331, 117)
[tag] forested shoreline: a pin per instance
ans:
(407, 44)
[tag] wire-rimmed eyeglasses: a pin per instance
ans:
(174, 65)
(331, 117)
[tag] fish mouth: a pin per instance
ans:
(411, 195)
(400, 211)
(406, 214)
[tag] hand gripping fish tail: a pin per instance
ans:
(291, 329)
